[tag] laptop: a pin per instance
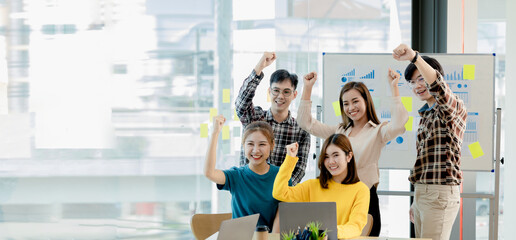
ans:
(297, 214)
(237, 228)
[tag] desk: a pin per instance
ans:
(276, 236)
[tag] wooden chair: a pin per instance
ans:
(369, 226)
(205, 225)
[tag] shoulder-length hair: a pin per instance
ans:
(342, 142)
(259, 126)
(364, 92)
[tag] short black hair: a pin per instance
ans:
(281, 75)
(411, 68)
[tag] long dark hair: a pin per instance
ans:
(342, 142)
(364, 92)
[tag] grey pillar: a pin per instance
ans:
(429, 25)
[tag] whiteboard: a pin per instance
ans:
(400, 153)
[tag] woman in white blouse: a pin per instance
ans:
(367, 134)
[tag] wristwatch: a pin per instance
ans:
(415, 57)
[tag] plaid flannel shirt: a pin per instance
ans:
(285, 132)
(439, 138)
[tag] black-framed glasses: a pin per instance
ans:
(286, 92)
(412, 83)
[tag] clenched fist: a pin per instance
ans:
(292, 149)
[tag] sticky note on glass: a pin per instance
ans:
(225, 132)
(469, 72)
(236, 132)
(204, 130)
(235, 116)
(476, 150)
(336, 108)
(225, 148)
(407, 102)
(408, 125)
(225, 95)
(213, 113)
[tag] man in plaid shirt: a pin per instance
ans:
(436, 173)
(282, 91)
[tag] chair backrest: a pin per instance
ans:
(369, 225)
(205, 225)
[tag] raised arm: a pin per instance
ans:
(215, 175)
(244, 102)
(304, 114)
(357, 217)
(405, 53)
(399, 114)
(304, 150)
(281, 190)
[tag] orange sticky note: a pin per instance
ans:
(225, 95)
(410, 122)
(204, 130)
(213, 113)
(407, 102)
(469, 72)
(336, 108)
(476, 150)
(225, 132)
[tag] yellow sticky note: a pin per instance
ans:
(469, 72)
(213, 113)
(225, 95)
(268, 97)
(235, 116)
(476, 150)
(204, 130)
(336, 108)
(407, 102)
(410, 122)
(225, 132)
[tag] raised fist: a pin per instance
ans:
(310, 79)
(403, 52)
(292, 149)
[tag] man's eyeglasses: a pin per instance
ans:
(412, 83)
(286, 92)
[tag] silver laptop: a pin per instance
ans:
(298, 214)
(237, 228)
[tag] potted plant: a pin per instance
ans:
(312, 231)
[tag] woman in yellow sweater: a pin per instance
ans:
(338, 182)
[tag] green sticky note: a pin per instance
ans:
(407, 102)
(236, 132)
(410, 122)
(336, 108)
(225, 147)
(204, 130)
(225, 132)
(213, 113)
(469, 72)
(225, 95)
(476, 150)
(226, 113)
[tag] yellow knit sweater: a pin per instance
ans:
(352, 199)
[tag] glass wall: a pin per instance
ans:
(105, 104)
